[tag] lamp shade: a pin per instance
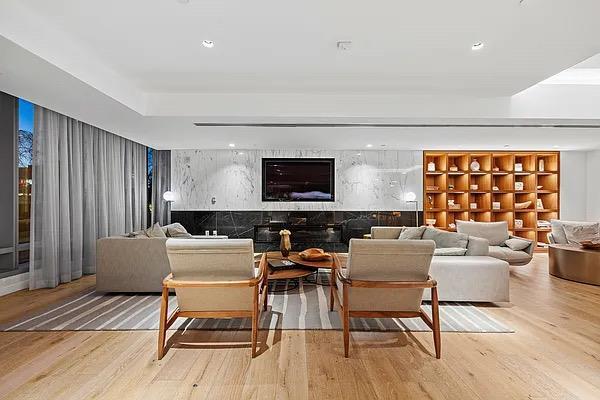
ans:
(169, 196)
(410, 196)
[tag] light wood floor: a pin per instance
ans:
(555, 354)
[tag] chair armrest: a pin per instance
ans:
(529, 249)
(429, 283)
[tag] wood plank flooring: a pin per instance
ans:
(555, 354)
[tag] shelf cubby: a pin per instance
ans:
(483, 182)
(484, 160)
(550, 161)
(458, 160)
(505, 183)
(527, 160)
(439, 159)
(504, 162)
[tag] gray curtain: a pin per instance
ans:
(87, 184)
(161, 183)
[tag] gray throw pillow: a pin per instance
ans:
(445, 239)
(155, 231)
(517, 244)
(450, 251)
(176, 230)
(412, 233)
(576, 233)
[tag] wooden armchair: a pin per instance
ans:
(385, 279)
(212, 279)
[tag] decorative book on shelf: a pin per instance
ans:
(522, 188)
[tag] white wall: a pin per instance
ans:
(573, 187)
(593, 185)
(373, 180)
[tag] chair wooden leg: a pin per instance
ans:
(255, 315)
(435, 313)
(162, 330)
(265, 294)
(346, 321)
(332, 290)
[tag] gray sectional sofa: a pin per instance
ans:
(474, 276)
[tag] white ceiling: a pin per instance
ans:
(285, 46)
(138, 68)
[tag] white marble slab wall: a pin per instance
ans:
(365, 180)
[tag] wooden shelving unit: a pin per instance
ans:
(496, 181)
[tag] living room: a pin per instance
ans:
(313, 200)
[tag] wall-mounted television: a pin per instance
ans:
(298, 179)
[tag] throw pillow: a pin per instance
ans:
(517, 244)
(495, 232)
(576, 233)
(445, 239)
(176, 230)
(450, 251)
(412, 233)
(155, 231)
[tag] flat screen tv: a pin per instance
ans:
(298, 179)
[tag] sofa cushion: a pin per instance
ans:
(412, 233)
(495, 232)
(449, 251)
(576, 233)
(558, 231)
(509, 255)
(155, 231)
(517, 244)
(445, 239)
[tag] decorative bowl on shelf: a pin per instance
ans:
(430, 221)
(593, 244)
(523, 205)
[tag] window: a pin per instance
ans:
(25, 153)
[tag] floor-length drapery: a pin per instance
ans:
(161, 183)
(87, 183)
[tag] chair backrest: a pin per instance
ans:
(389, 259)
(211, 259)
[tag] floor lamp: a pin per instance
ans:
(411, 197)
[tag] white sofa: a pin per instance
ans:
(559, 234)
(474, 277)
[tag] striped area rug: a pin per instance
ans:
(301, 307)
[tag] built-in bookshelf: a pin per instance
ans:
(521, 188)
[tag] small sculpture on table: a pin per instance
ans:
(285, 245)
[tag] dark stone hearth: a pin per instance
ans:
(329, 230)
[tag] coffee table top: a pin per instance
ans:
(306, 267)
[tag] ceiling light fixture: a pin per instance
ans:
(209, 44)
(556, 146)
(369, 145)
(507, 145)
(231, 144)
(477, 46)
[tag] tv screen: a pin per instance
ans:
(298, 179)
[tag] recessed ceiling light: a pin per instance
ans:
(507, 145)
(209, 44)
(369, 145)
(231, 144)
(556, 146)
(477, 46)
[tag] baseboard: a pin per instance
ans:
(14, 283)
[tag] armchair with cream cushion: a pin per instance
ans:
(385, 279)
(512, 249)
(212, 279)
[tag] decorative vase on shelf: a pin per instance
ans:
(541, 165)
(431, 166)
(285, 245)
(475, 165)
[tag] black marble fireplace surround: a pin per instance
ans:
(329, 230)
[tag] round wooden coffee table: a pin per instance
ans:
(574, 263)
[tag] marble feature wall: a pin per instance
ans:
(365, 180)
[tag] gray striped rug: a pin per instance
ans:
(304, 307)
